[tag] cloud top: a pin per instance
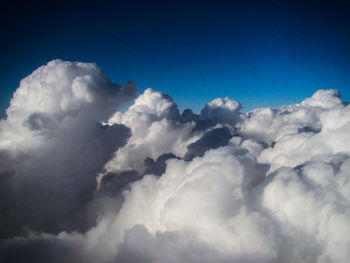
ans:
(84, 182)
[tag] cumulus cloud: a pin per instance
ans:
(83, 182)
(52, 145)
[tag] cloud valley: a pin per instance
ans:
(84, 182)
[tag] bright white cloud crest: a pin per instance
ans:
(153, 185)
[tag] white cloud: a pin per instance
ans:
(296, 148)
(51, 144)
(272, 185)
(156, 129)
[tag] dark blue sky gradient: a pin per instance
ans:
(261, 53)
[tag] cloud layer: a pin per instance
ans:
(84, 182)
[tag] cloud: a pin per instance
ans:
(327, 134)
(83, 182)
(52, 145)
(152, 116)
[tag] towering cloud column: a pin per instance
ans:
(52, 145)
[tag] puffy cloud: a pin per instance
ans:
(222, 110)
(271, 124)
(153, 185)
(296, 148)
(309, 206)
(52, 145)
(217, 208)
(156, 128)
(325, 99)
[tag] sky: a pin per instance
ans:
(96, 172)
(261, 53)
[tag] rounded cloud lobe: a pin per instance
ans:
(84, 182)
(52, 145)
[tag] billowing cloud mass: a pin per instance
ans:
(84, 182)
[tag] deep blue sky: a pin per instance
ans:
(261, 53)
